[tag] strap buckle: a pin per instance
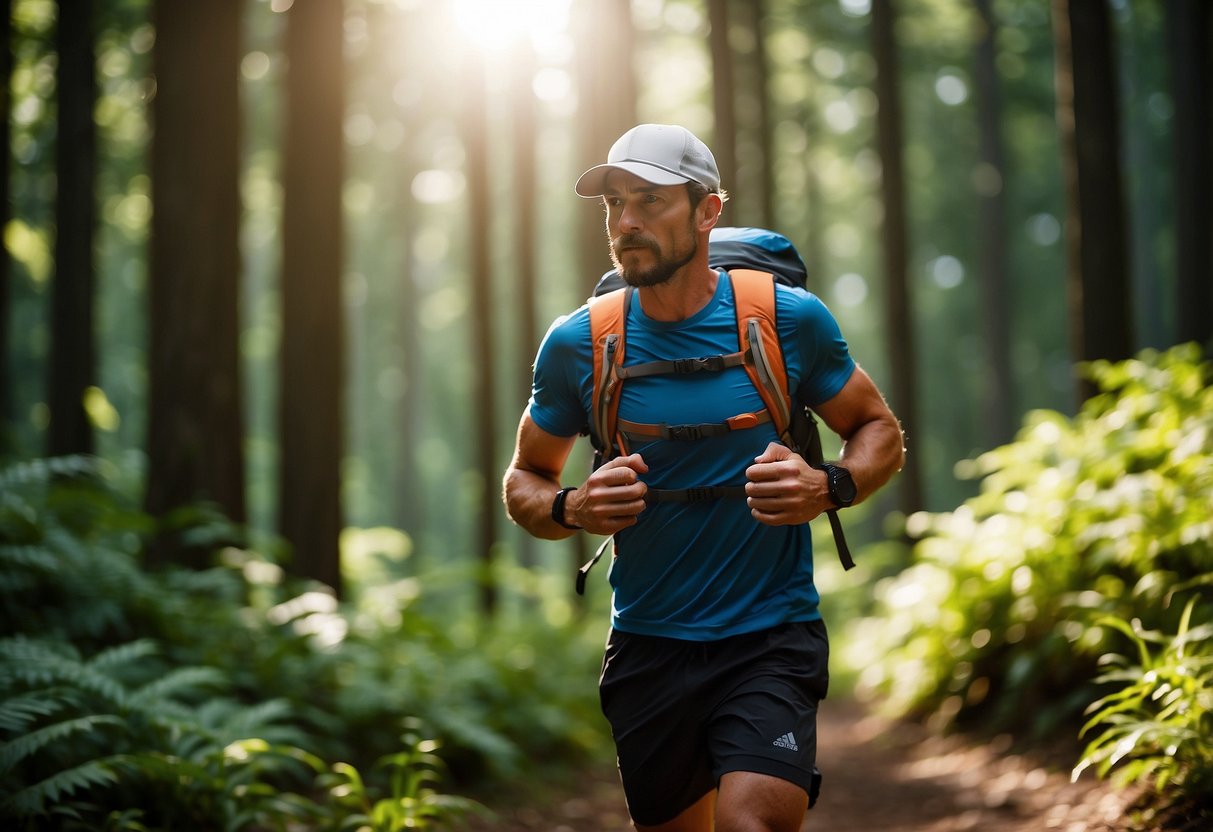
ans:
(711, 363)
(686, 433)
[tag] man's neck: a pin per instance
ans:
(690, 289)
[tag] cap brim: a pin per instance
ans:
(593, 182)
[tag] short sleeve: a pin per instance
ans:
(561, 380)
(825, 360)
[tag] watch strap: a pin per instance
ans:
(558, 507)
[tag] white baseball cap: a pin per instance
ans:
(663, 154)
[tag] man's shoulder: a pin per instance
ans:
(797, 310)
(570, 332)
(795, 296)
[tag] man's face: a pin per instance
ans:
(651, 228)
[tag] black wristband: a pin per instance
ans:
(558, 507)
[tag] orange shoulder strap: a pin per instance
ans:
(758, 337)
(608, 316)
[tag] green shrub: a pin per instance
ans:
(1157, 725)
(997, 621)
(412, 800)
(163, 741)
(214, 699)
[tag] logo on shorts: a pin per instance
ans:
(786, 741)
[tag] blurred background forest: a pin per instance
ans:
(275, 273)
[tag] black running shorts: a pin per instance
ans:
(686, 713)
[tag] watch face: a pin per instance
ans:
(842, 487)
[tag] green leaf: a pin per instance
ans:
(33, 799)
(18, 749)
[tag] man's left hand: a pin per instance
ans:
(783, 490)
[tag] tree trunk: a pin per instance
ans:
(898, 304)
(764, 138)
(195, 407)
(724, 144)
(1190, 33)
(311, 414)
(480, 233)
(72, 363)
(525, 200)
(992, 234)
(1099, 293)
(607, 95)
(6, 106)
(410, 505)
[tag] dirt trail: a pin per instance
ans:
(895, 777)
(880, 776)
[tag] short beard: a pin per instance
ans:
(658, 273)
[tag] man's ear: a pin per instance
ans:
(709, 212)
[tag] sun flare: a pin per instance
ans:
(502, 24)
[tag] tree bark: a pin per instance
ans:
(992, 234)
(195, 407)
(1099, 292)
(311, 414)
(763, 131)
(480, 233)
(72, 361)
(6, 106)
(525, 200)
(724, 144)
(1190, 32)
(894, 236)
(607, 108)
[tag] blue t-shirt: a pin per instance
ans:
(706, 570)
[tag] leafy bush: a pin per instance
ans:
(997, 622)
(413, 800)
(166, 742)
(212, 699)
(1158, 724)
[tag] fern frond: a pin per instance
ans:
(226, 721)
(14, 556)
(42, 471)
(159, 767)
(48, 669)
(17, 749)
(254, 720)
(23, 649)
(180, 684)
(115, 658)
(32, 800)
(17, 713)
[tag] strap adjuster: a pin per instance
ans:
(686, 433)
(742, 421)
(708, 364)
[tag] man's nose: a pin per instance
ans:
(629, 219)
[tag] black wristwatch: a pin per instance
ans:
(842, 487)
(558, 507)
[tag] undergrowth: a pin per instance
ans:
(1087, 530)
(238, 698)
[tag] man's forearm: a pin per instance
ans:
(873, 454)
(528, 502)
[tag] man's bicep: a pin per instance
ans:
(856, 404)
(540, 452)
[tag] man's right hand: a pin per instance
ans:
(612, 498)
